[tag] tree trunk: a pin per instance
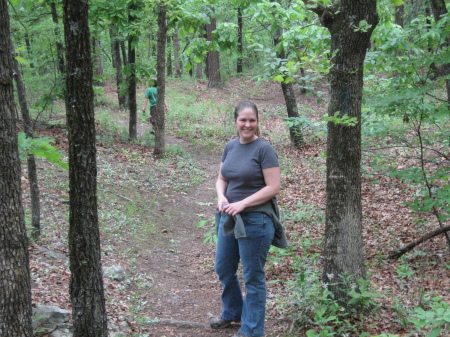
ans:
(117, 64)
(199, 70)
(15, 286)
(169, 59)
(399, 15)
(29, 51)
(31, 162)
(295, 133)
(240, 48)
(214, 80)
(344, 253)
(439, 9)
(86, 284)
(123, 50)
(98, 66)
(176, 53)
(59, 45)
(131, 79)
(159, 149)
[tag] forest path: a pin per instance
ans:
(184, 290)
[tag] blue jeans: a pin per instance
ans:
(252, 251)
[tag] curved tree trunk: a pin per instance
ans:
(31, 162)
(159, 149)
(86, 283)
(344, 252)
(15, 286)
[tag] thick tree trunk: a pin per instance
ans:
(15, 286)
(159, 149)
(31, 162)
(344, 252)
(176, 54)
(59, 45)
(439, 9)
(214, 80)
(86, 284)
(117, 64)
(240, 48)
(131, 80)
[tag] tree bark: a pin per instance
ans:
(159, 149)
(86, 284)
(31, 162)
(131, 79)
(214, 80)
(344, 253)
(240, 48)
(410, 246)
(15, 286)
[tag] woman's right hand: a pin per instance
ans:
(221, 203)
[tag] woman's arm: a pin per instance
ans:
(272, 178)
(221, 187)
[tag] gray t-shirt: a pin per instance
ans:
(242, 167)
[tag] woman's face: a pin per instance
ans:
(246, 124)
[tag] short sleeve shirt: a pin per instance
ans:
(242, 167)
(151, 95)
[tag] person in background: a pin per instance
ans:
(150, 96)
(247, 223)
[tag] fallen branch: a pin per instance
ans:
(402, 250)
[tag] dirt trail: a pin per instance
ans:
(184, 287)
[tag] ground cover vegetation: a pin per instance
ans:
(262, 51)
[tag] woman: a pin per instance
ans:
(247, 222)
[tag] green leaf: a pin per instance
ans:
(279, 78)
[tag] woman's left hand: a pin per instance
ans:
(233, 208)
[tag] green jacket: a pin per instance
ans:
(234, 225)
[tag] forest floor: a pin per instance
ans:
(149, 210)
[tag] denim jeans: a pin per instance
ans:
(252, 251)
